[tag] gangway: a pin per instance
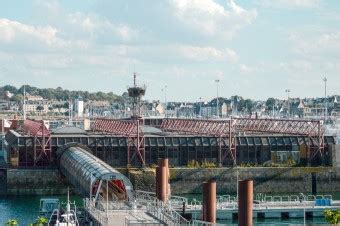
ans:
(112, 200)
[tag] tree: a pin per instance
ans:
(39, 108)
(66, 105)
(332, 216)
(41, 221)
(11, 89)
(248, 104)
(270, 103)
(12, 222)
(17, 98)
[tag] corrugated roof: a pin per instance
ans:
(68, 130)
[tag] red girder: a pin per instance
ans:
(280, 126)
(42, 140)
(200, 127)
(129, 128)
(224, 127)
(230, 127)
(35, 128)
(116, 127)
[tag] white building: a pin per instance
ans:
(79, 107)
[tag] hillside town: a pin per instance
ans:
(82, 104)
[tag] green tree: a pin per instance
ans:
(270, 103)
(11, 89)
(12, 222)
(41, 221)
(39, 108)
(332, 216)
(248, 104)
(17, 97)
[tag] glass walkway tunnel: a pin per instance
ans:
(91, 176)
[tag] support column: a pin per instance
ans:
(245, 203)
(209, 201)
(161, 183)
(165, 163)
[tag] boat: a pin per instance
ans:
(47, 206)
(64, 214)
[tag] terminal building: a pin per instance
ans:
(24, 150)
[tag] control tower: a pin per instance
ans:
(136, 93)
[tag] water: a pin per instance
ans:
(319, 220)
(25, 209)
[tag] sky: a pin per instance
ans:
(255, 48)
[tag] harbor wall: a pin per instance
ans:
(266, 179)
(184, 180)
(36, 182)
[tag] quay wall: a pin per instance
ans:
(184, 180)
(36, 182)
(266, 179)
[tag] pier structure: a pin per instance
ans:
(312, 130)
(265, 207)
(41, 141)
(122, 143)
(111, 198)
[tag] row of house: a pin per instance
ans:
(223, 107)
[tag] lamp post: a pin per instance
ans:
(165, 103)
(288, 91)
(326, 113)
(24, 104)
(217, 110)
(200, 112)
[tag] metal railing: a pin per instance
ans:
(95, 213)
(159, 209)
(204, 223)
(140, 223)
(293, 198)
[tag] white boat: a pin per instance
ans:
(64, 217)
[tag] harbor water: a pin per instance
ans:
(25, 210)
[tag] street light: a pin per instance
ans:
(217, 111)
(200, 112)
(24, 104)
(325, 80)
(288, 91)
(164, 89)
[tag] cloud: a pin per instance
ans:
(208, 53)
(246, 69)
(99, 27)
(316, 44)
(11, 31)
(290, 4)
(212, 19)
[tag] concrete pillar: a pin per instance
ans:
(245, 203)
(165, 163)
(161, 183)
(209, 201)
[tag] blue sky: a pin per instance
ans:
(256, 48)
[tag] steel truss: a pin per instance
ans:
(312, 129)
(41, 140)
(218, 128)
(128, 128)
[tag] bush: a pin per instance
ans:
(206, 164)
(193, 164)
(332, 216)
